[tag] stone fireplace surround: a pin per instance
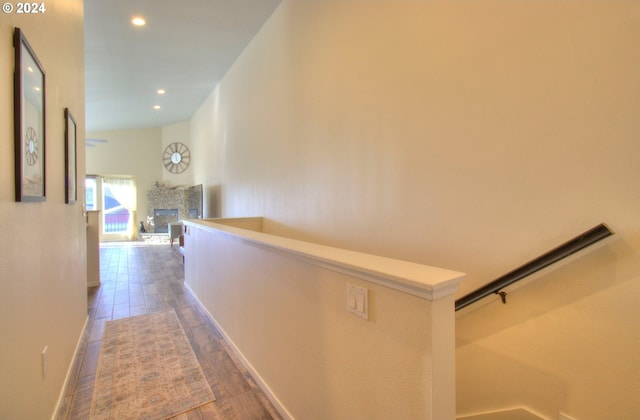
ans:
(187, 200)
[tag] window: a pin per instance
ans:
(116, 216)
(91, 189)
(118, 200)
(115, 197)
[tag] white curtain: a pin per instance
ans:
(124, 190)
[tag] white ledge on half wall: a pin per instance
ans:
(416, 279)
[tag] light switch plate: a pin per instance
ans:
(358, 301)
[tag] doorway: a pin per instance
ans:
(115, 197)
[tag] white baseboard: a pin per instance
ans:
(254, 373)
(63, 391)
(520, 413)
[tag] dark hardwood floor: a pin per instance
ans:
(140, 279)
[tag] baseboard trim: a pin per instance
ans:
(523, 413)
(254, 373)
(63, 391)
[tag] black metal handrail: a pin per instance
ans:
(581, 241)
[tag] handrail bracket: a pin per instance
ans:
(503, 296)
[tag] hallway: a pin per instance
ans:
(140, 279)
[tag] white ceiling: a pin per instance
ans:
(186, 47)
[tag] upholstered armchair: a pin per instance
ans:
(175, 231)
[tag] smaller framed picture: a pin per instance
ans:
(29, 122)
(71, 178)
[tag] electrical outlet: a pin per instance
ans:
(45, 362)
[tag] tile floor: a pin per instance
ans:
(139, 279)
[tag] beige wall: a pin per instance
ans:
(43, 300)
(136, 153)
(485, 133)
(209, 162)
(139, 153)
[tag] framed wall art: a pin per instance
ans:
(29, 122)
(71, 179)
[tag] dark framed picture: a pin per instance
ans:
(29, 122)
(71, 179)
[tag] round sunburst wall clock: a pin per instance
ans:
(176, 158)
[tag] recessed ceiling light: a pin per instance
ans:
(138, 21)
(156, 107)
(161, 91)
